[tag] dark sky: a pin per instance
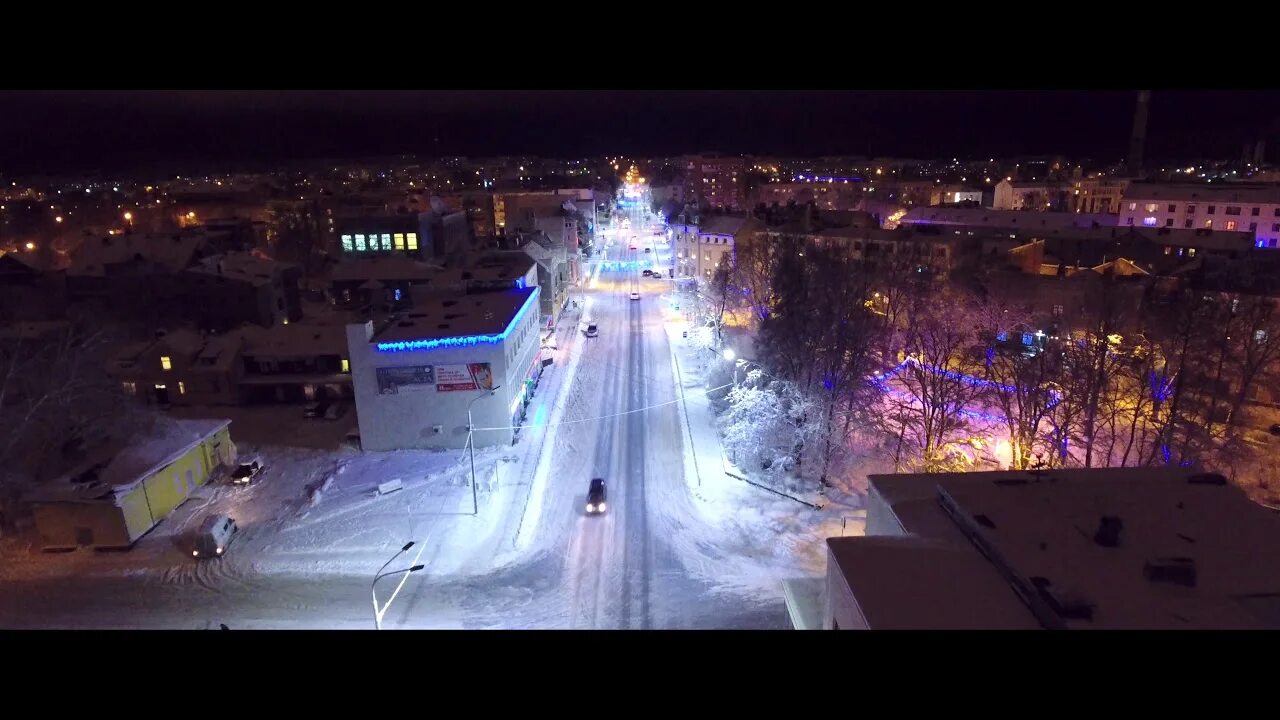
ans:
(61, 131)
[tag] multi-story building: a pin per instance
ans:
(1233, 207)
(1031, 195)
(436, 235)
(251, 364)
(420, 377)
(1098, 195)
(222, 291)
(702, 247)
(716, 179)
(1014, 219)
(824, 195)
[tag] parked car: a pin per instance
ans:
(648, 249)
(592, 330)
(335, 411)
(245, 472)
(213, 537)
(647, 273)
(315, 409)
(656, 275)
(635, 295)
(595, 497)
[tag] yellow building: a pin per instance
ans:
(114, 500)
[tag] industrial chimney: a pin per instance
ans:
(1139, 139)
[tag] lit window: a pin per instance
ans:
(1151, 207)
(346, 365)
(1208, 223)
(1149, 221)
(182, 388)
(360, 246)
(1133, 206)
(386, 241)
(165, 364)
(411, 240)
(399, 238)
(1191, 252)
(1027, 338)
(346, 243)
(1231, 225)
(129, 388)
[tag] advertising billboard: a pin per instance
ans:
(392, 380)
(472, 376)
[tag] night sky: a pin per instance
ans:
(66, 131)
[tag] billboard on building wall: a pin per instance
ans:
(392, 380)
(472, 376)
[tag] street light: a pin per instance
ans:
(471, 443)
(729, 354)
(379, 612)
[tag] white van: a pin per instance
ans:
(213, 537)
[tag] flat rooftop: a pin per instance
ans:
(487, 315)
(1188, 552)
(913, 583)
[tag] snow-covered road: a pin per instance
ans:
(668, 553)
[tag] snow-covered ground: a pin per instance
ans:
(683, 544)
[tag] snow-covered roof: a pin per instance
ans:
(486, 313)
(301, 339)
(1256, 193)
(1016, 219)
(103, 481)
(723, 224)
(384, 267)
(241, 266)
(172, 252)
(1044, 530)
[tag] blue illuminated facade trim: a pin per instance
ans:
(465, 340)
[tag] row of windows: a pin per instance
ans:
(1211, 209)
(385, 241)
(1228, 225)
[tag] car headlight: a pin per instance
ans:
(219, 551)
(591, 508)
(600, 507)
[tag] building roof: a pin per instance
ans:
(1045, 533)
(104, 479)
(171, 252)
(13, 266)
(731, 225)
(394, 266)
(897, 581)
(1256, 193)
(243, 266)
(1014, 219)
(488, 315)
(300, 339)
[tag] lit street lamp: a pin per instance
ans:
(471, 443)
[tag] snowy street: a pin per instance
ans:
(680, 546)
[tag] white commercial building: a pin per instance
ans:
(1234, 207)
(416, 373)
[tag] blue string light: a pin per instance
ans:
(463, 341)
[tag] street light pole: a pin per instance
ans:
(378, 612)
(471, 443)
(377, 616)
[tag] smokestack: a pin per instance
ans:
(1139, 139)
